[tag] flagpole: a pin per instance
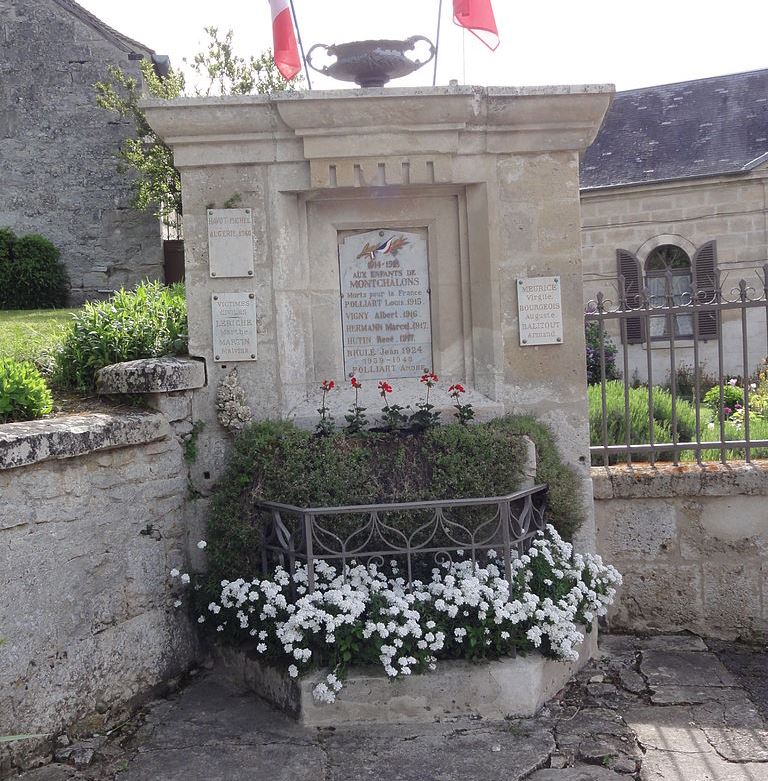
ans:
(301, 45)
(437, 41)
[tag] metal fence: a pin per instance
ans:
(641, 319)
(420, 533)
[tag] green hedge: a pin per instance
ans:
(147, 322)
(276, 461)
(31, 274)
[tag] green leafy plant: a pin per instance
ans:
(156, 183)
(23, 392)
(592, 339)
(732, 399)
(190, 442)
(145, 323)
(464, 412)
(31, 274)
(326, 424)
(356, 419)
(392, 415)
(279, 462)
(425, 416)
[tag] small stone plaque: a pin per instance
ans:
(230, 242)
(540, 310)
(385, 311)
(234, 326)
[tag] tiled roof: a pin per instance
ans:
(695, 128)
(120, 40)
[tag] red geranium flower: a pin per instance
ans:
(385, 387)
(328, 385)
(430, 378)
(458, 388)
(355, 383)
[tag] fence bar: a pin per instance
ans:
(720, 368)
(696, 299)
(649, 358)
(745, 367)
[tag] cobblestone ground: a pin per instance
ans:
(664, 708)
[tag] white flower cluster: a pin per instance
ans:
(361, 615)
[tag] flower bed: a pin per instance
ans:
(370, 615)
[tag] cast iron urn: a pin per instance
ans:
(371, 63)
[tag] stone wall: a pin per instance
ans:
(733, 211)
(692, 545)
(57, 149)
(91, 522)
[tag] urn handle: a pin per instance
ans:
(412, 41)
(325, 68)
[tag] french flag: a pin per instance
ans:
(286, 51)
(477, 16)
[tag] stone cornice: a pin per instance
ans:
(305, 126)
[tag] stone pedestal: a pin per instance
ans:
(487, 178)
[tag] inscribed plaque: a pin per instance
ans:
(540, 310)
(234, 326)
(387, 332)
(230, 242)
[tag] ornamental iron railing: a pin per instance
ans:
(721, 328)
(422, 534)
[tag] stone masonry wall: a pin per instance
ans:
(57, 149)
(692, 545)
(91, 522)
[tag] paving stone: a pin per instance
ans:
(575, 774)
(665, 668)
(677, 749)
(443, 753)
(632, 681)
(590, 723)
(672, 643)
(688, 695)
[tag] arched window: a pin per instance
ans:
(669, 262)
(691, 277)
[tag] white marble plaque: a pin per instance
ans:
(230, 242)
(387, 332)
(540, 310)
(234, 326)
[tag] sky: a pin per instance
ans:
(623, 42)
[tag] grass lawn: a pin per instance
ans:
(27, 334)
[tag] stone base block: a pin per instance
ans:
(492, 690)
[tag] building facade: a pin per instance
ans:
(675, 199)
(58, 165)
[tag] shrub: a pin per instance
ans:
(7, 239)
(23, 392)
(148, 322)
(278, 462)
(592, 338)
(733, 399)
(31, 274)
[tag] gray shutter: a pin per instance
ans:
(628, 266)
(705, 286)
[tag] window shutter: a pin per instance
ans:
(705, 285)
(628, 266)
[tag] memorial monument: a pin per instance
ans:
(386, 231)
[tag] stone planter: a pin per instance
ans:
(492, 690)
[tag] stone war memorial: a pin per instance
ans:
(345, 526)
(383, 233)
